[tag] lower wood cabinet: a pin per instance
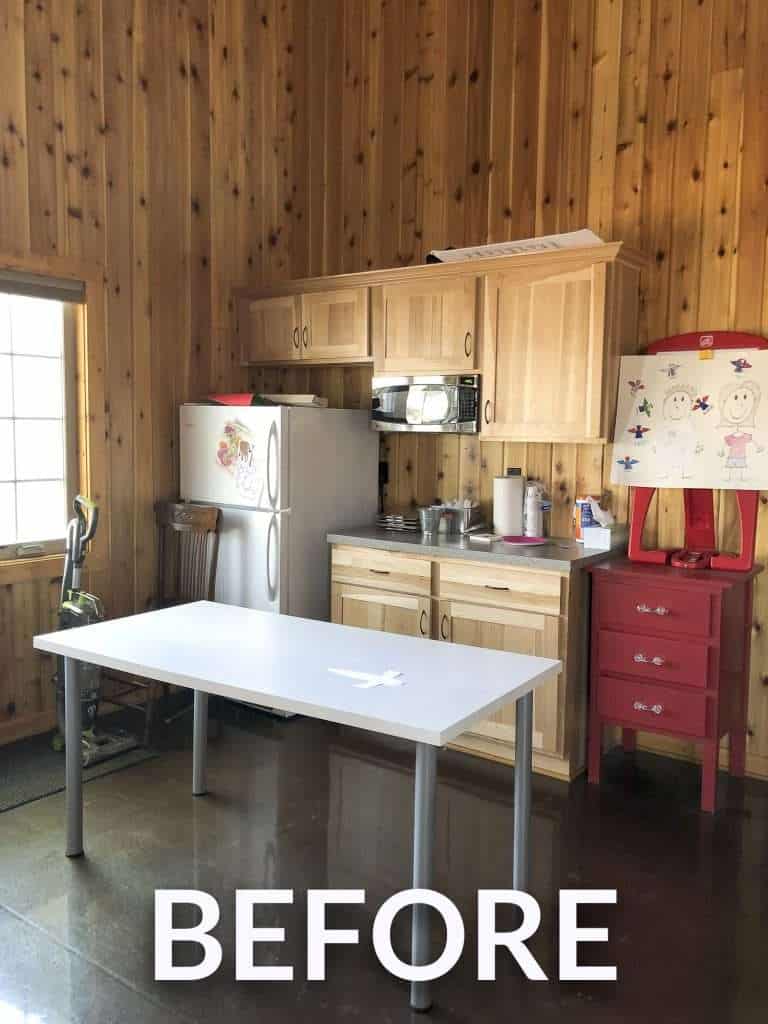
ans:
(371, 608)
(500, 607)
(504, 629)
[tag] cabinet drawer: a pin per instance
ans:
(500, 585)
(648, 706)
(654, 658)
(389, 570)
(638, 606)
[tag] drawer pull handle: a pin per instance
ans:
(296, 342)
(380, 572)
(443, 624)
(645, 609)
(643, 659)
(468, 344)
(305, 336)
(490, 586)
(654, 709)
(487, 412)
(422, 620)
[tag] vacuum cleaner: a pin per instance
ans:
(79, 608)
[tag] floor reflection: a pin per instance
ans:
(299, 804)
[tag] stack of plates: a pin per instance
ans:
(403, 524)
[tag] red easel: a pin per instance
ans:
(699, 551)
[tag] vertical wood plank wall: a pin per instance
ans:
(190, 145)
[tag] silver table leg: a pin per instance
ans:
(73, 755)
(423, 842)
(523, 769)
(200, 744)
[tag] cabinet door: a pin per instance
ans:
(502, 629)
(426, 326)
(379, 609)
(270, 329)
(335, 324)
(543, 370)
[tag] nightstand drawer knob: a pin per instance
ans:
(645, 609)
(643, 659)
(654, 709)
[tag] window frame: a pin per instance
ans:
(93, 469)
(73, 319)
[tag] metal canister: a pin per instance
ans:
(582, 516)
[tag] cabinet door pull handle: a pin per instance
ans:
(490, 586)
(296, 342)
(643, 659)
(645, 609)
(443, 624)
(468, 344)
(305, 336)
(381, 572)
(654, 709)
(487, 411)
(422, 620)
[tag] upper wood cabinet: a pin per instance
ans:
(335, 324)
(270, 329)
(426, 325)
(323, 326)
(554, 342)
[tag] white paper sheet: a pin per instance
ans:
(687, 421)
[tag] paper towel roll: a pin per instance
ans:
(508, 493)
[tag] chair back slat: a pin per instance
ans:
(187, 553)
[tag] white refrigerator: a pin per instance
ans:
(283, 477)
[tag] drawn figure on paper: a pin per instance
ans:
(670, 370)
(627, 462)
(702, 404)
(677, 442)
(635, 386)
(235, 453)
(646, 407)
(739, 402)
(638, 431)
(740, 365)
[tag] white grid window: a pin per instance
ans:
(33, 422)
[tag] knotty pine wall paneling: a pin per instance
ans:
(453, 122)
(192, 145)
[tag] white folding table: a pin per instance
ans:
(422, 690)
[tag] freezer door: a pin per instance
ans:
(234, 456)
(253, 559)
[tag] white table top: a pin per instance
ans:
(283, 662)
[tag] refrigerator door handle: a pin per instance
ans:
(271, 586)
(271, 445)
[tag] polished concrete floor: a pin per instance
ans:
(298, 804)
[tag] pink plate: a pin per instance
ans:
(525, 541)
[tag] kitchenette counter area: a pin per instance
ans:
(557, 555)
(445, 588)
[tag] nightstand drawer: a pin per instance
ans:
(638, 606)
(647, 706)
(654, 658)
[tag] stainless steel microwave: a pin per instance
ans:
(434, 404)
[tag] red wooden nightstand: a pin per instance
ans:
(670, 654)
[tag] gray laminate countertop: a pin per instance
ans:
(556, 556)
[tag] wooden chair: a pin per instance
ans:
(187, 554)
